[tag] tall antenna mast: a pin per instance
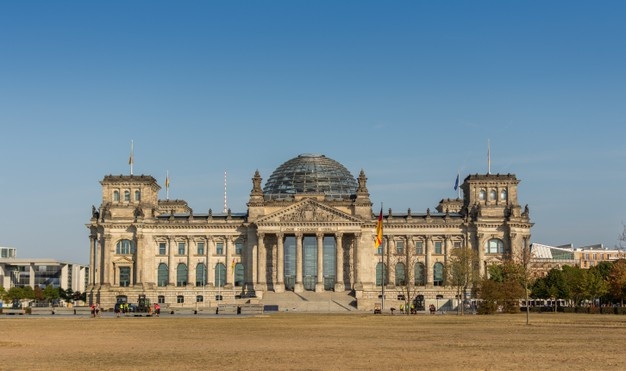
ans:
(225, 198)
(488, 157)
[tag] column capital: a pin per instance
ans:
(338, 234)
(260, 235)
(319, 234)
(299, 234)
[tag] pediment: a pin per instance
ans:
(122, 260)
(308, 211)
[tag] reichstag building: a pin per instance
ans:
(310, 228)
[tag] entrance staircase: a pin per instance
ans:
(312, 302)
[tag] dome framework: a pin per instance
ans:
(310, 173)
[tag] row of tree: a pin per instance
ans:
(514, 279)
(47, 294)
(602, 284)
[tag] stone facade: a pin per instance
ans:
(309, 241)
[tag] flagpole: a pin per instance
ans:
(458, 188)
(382, 255)
(131, 161)
(167, 185)
(488, 157)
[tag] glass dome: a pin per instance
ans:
(310, 173)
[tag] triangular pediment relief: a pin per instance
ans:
(309, 211)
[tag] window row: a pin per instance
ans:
(201, 249)
(117, 195)
(420, 247)
(419, 274)
(126, 247)
(182, 275)
(493, 194)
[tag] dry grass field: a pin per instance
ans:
(315, 342)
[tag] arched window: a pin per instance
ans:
(116, 195)
(482, 195)
(400, 275)
(381, 271)
(220, 275)
(162, 275)
(125, 247)
(420, 280)
(503, 195)
(181, 275)
(494, 246)
(127, 196)
(239, 274)
(438, 274)
(201, 274)
(137, 195)
(492, 195)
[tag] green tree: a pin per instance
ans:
(575, 277)
(595, 285)
(51, 293)
(28, 293)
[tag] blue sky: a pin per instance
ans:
(409, 91)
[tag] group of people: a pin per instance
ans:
(95, 310)
(410, 308)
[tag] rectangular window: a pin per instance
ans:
(199, 299)
(238, 247)
(400, 247)
(380, 248)
(162, 248)
(161, 299)
(200, 248)
(180, 299)
(438, 245)
(419, 247)
(457, 244)
(219, 248)
(181, 248)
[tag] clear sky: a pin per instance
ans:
(408, 91)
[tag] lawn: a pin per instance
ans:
(315, 342)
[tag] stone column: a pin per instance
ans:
(92, 259)
(210, 264)
(171, 247)
(428, 266)
(298, 287)
(481, 253)
(319, 284)
(229, 262)
(357, 270)
(191, 264)
(447, 249)
(391, 268)
(262, 263)
(107, 267)
(339, 283)
(137, 271)
(280, 263)
(252, 264)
